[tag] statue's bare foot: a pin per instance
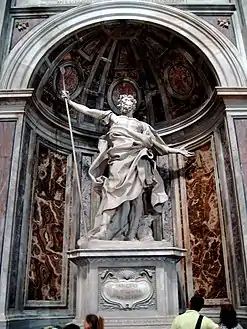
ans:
(101, 235)
(131, 238)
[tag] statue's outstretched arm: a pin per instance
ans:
(94, 113)
(167, 149)
(181, 150)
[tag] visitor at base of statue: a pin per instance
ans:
(228, 317)
(92, 321)
(71, 326)
(191, 319)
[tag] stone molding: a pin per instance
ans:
(98, 250)
(232, 92)
(25, 56)
(19, 93)
(144, 321)
(234, 98)
(13, 102)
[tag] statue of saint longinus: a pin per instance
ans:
(124, 169)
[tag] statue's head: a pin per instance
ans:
(126, 104)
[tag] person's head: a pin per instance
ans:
(71, 326)
(127, 104)
(92, 322)
(196, 303)
(228, 316)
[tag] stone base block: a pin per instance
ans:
(127, 283)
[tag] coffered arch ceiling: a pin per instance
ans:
(170, 77)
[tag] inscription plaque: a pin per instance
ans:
(127, 289)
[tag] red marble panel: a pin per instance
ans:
(241, 132)
(204, 225)
(45, 271)
(7, 130)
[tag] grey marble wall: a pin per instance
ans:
(233, 138)
(4, 21)
(7, 133)
(11, 121)
(16, 249)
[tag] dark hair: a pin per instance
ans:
(228, 316)
(196, 303)
(71, 326)
(93, 320)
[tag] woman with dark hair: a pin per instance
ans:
(71, 326)
(228, 317)
(93, 322)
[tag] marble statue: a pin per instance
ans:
(123, 170)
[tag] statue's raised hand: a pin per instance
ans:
(186, 153)
(65, 94)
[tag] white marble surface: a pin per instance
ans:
(101, 248)
(23, 3)
(115, 265)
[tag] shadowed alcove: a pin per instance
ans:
(170, 77)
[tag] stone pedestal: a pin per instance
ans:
(128, 283)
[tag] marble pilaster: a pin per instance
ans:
(4, 7)
(235, 142)
(12, 111)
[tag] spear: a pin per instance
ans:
(62, 70)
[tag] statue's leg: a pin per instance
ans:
(114, 223)
(103, 229)
(136, 213)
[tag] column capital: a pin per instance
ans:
(233, 97)
(13, 101)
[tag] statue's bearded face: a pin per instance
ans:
(126, 104)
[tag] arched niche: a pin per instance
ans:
(223, 58)
(170, 77)
(221, 53)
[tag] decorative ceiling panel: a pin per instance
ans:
(169, 77)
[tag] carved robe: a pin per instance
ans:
(122, 170)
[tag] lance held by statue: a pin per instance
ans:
(123, 170)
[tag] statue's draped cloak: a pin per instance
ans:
(125, 166)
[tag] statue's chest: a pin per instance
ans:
(129, 123)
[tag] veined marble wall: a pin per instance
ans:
(47, 226)
(204, 225)
(56, 222)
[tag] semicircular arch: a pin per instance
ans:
(220, 52)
